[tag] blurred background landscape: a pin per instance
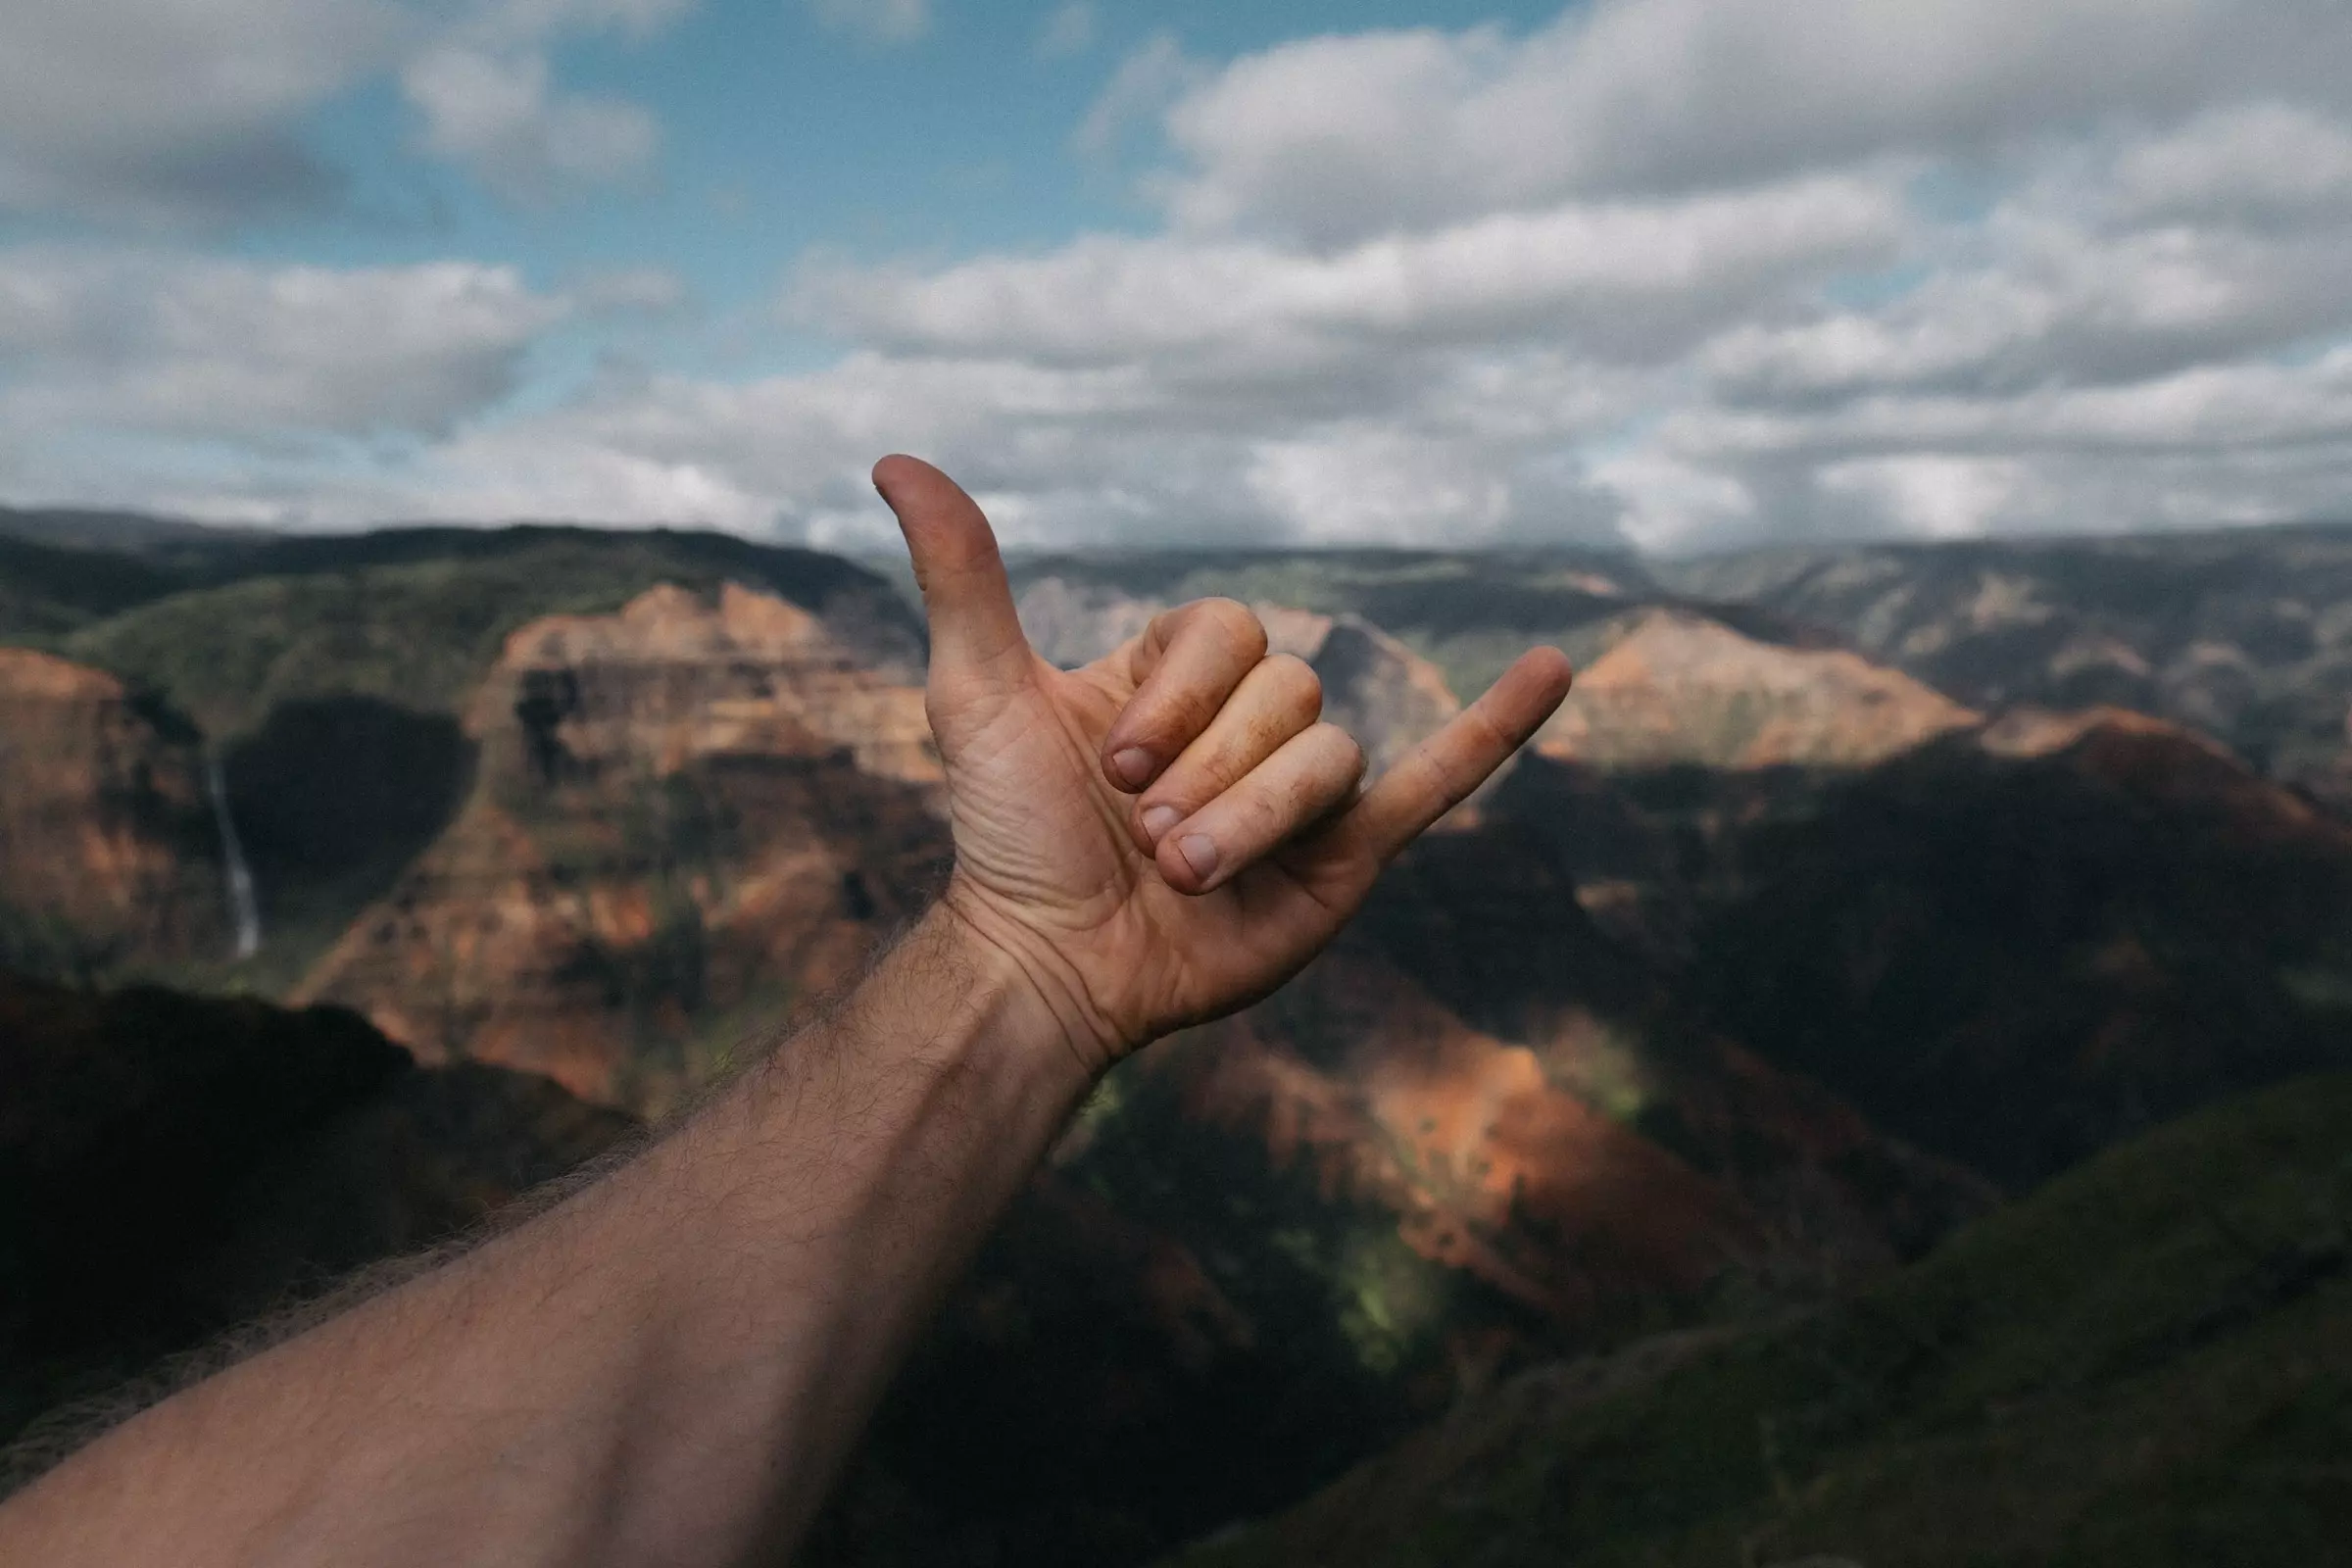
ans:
(1870, 1085)
(1870, 1078)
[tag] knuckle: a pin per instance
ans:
(1271, 814)
(1336, 767)
(1295, 682)
(1235, 620)
(1338, 744)
(1179, 716)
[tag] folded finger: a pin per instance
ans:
(1185, 665)
(1440, 773)
(1279, 698)
(1308, 775)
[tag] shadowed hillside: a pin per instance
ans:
(2013, 949)
(2148, 1363)
(172, 1167)
(1766, 969)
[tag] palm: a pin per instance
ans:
(1057, 862)
(1038, 824)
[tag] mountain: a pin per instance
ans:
(48, 590)
(1771, 965)
(1680, 689)
(687, 816)
(110, 846)
(2008, 940)
(2017, 945)
(329, 675)
(88, 528)
(2245, 635)
(685, 819)
(171, 1166)
(2148, 1362)
(415, 616)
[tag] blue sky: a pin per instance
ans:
(1683, 273)
(782, 135)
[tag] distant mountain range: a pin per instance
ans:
(1850, 895)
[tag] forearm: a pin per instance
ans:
(668, 1367)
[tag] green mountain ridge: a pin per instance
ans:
(2147, 1362)
(415, 616)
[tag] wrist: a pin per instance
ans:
(1050, 990)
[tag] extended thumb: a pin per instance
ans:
(975, 633)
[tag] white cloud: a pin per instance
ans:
(1689, 273)
(498, 117)
(2055, 302)
(1616, 277)
(178, 112)
(1330, 139)
(652, 290)
(2266, 162)
(881, 22)
(237, 351)
(1154, 75)
(1069, 29)
(1930, 495)
(165, 112)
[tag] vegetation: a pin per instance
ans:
(49, 590)
(407, 625)
(330, 672)
(2147, 1362)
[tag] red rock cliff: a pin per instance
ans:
(689, 817)
(109, 855)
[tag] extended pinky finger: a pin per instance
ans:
(1308, 775)
(1439, 774)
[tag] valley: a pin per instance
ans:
(1852, 910)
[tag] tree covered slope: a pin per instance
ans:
(2148, 1362)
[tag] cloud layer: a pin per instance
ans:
(190, 112)
(1673, 273)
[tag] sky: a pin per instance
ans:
(1680, 275)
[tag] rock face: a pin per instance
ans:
(1682, 689)
(1071, 623)
(171, 1166)
(2017, 946)
(110, 852)
(2104, 1361)
(687, 819)
(2244, 634)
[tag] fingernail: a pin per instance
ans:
(1160, 819)
(1199, 852)
(1134, 764)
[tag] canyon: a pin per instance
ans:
(1785, 954)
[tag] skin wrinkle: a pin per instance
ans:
(1188, 663)
(1306, 775)
(1279, 699)
(668, 1359)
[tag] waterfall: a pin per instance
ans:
(242, 904)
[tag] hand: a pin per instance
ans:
(1167, 834)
